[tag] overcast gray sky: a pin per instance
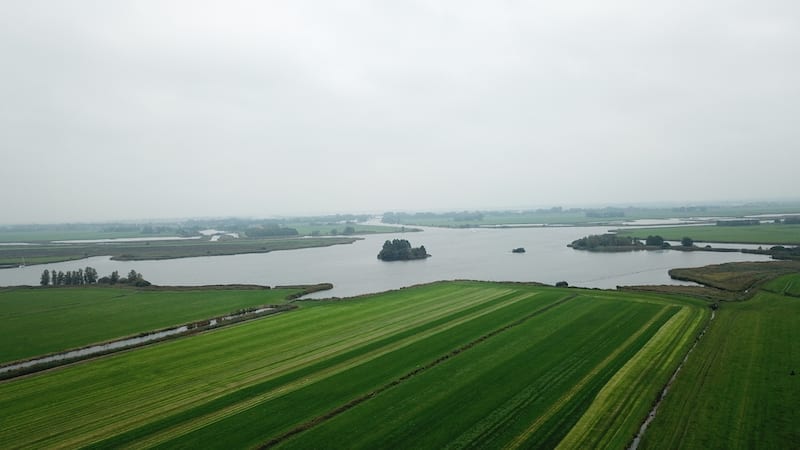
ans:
(141, 109)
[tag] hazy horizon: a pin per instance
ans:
(128, 111)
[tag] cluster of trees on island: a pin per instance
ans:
(401, 250)
(89, 276)
(613, 241)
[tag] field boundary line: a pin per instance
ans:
(361, 399)
(656, 355)
(518, 441)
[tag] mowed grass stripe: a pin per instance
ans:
(482, 389)
(156, 398)
(391, 346)
(540, 394)
(537, 399)
(280, 415)
(524, 436)
(619, 408)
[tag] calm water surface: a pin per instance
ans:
(479, 254)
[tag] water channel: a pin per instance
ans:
(479, 254)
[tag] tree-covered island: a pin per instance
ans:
(615, 242)
(401, 250)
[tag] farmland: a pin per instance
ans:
(45, 320)
(767, 234)
(740, 387)
(461, 363)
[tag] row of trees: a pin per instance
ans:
(89, 276)
(69, 278)
(270, 230)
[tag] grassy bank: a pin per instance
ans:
(736, 277)
(37, 321)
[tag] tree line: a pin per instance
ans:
(269, 230)
(89, 276)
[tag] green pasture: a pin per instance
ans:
(736, 390)
(786, 285)
(37, 321)
(461, 363)
(767, 234)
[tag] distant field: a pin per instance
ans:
(750, 234)
(580, 217)
(459, 363)
(44, 320)
(63, 235)
(737, 390)
(303, 228)
(134, 251)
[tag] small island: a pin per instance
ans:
(401, 250)
(518, 250)
(619, 243)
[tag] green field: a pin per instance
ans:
(767, 234)
(736, 390)
(787, 285)
(46, 320)
(457, 363)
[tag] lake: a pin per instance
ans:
(477, 254)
